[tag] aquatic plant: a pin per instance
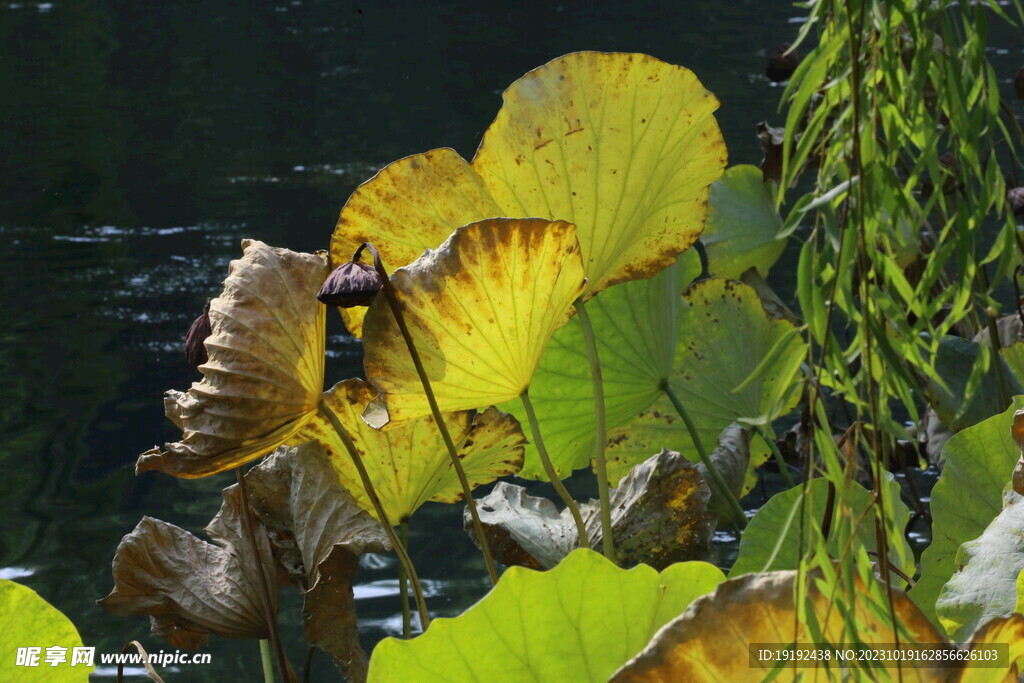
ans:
(550, 282)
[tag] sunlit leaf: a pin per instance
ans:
(659, 516)
(576, 622)
(27, 620)
(743, 225)
(709, 641)
(411, 205)
(724, 334)
(481, 309)
(265, 370)
(635, 330)
(622, 145)
(318, 532)
(771, 540)
(967, 497)
(984, 584)
(409, 464)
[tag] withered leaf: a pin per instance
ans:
(265, 371)
(190, 587)
(659, 516)
(303, 506)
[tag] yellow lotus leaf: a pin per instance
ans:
(409, 464)
(624, 146)
(480, 309)
(410, 206)
(710, 640)
(265, 371)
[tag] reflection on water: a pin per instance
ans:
(143, 141)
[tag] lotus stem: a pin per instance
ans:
(275, 639)
(371, 492)
(600, 431)
(716, 476)
(267, 659)
(403, 581)
(467, 491)
(538, 441)
(779, 460)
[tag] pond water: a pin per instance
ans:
(143, 141)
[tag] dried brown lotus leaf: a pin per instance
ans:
(264, 375)
(709, 641)
(659, 512)
(298, 497)
(191, 587)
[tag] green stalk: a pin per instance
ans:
(467, 491)
(403, 582)
(371, 492)
(716, 476)
(266, 658)
(600, 431)
(574, 509)
(779, 460)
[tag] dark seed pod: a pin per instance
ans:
(1015, 200)
(195, 349)
(1018, 83)
(781, 65)
(351, 284)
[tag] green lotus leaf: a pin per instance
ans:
(710, 641)
(956, 363)
(411, 205)
(762, 550)
(635, 329)
(27, 620)
(743, 224)
(576, 622)
(985, 582)
(966, 498)
(724, 336)
(624, 146)
(1019, 606)
(409, 464)
(265, 371)
(1013, 356)
(481, 309)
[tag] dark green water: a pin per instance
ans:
(141, 141)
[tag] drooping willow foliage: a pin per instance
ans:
(895, 119)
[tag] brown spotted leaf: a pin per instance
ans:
(411, 205)
(622, 145)
(709, 641)
(481, 309)
(409, 464)
(659, 516)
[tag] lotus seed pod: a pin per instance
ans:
(195, 348)
(353, 283)
(782, 65)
